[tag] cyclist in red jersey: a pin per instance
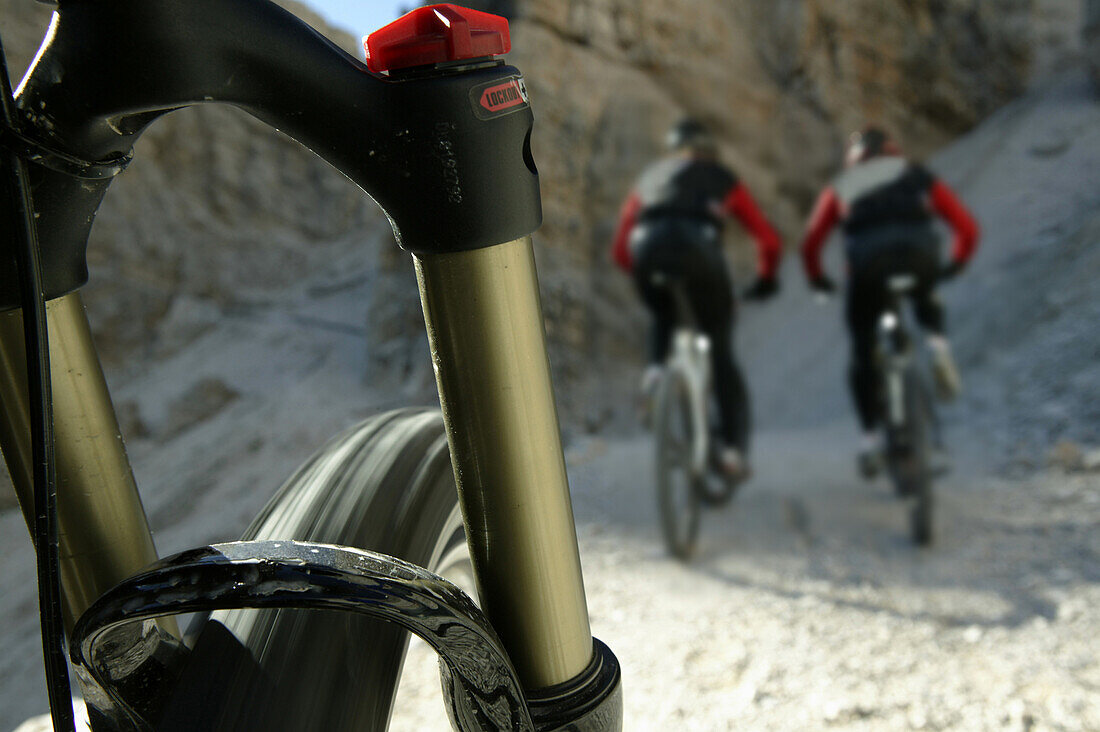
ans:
(885, 206)
(671, 226)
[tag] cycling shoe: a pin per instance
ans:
(732, 464)
(948, 381)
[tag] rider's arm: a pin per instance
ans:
(945, 203)
(824, 217)
(628, 216)
(739, 202)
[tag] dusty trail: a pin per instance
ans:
(807, 607)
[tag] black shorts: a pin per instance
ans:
(876, 254)
(685, 249)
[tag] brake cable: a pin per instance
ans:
(45, 528)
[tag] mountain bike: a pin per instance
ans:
(910, 426)
(686, 477)
(302, 624)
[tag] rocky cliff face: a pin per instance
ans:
(782, 82)
(219, 209)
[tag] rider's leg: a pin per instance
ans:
(662, 316)
(734, 408)
(864, 306)
(650, 262)
(713, 305)
(659, 339)
(928, 308)
(929, 312)
(732, 395)
(921, 258)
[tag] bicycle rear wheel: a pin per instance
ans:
(911, 463)
(920, 509)
(385, 485)
(677, 489)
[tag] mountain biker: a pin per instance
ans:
(885, 205)
(670, 228)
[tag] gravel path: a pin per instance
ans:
(809, 609)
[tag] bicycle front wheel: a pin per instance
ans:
(677, 492)
(384, 485)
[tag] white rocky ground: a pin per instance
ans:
(807, 608)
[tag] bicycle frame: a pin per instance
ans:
(465, 209)
(908, 419)
(105, 535)
(895, 354)
(691, 357)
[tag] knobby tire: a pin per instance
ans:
(385, 485)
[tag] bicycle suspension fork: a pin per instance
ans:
(485, 328)
(104, 535)
(439, 135)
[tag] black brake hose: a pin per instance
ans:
(44, 531)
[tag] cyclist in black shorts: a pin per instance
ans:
(671, 225)
(886, 205)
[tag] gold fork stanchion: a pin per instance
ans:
(104, 534)
(484, 321)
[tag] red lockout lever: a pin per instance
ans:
(436, 34)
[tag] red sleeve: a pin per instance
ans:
(628, 216)
(739, 203)
(946, 204)
(822, 220)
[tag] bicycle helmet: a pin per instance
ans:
(691, 134)
(868, 143)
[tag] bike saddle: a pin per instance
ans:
(901, 283)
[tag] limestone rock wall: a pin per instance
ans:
(218, 207)
(783, 82)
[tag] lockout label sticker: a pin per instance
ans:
(498, 98)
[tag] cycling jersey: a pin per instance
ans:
(886, 190)
(699, 189)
